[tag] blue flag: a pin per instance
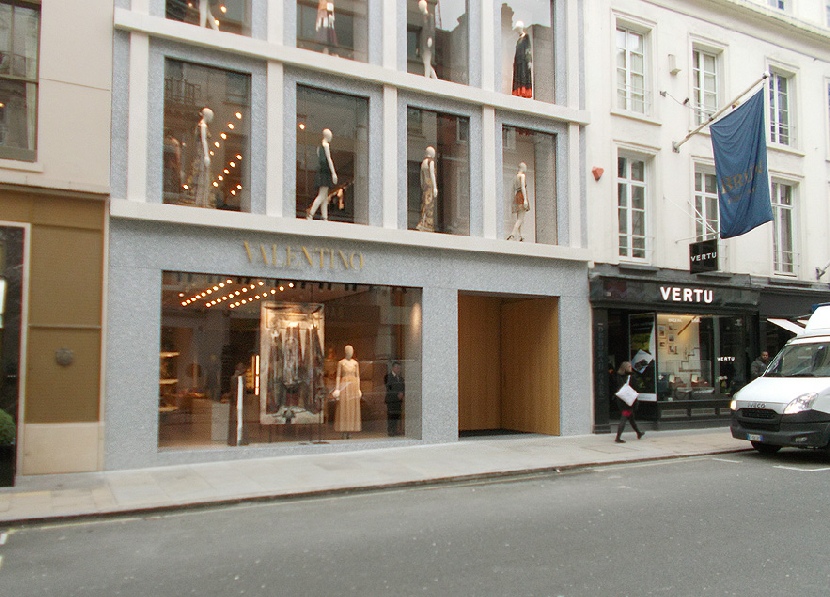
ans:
(739, 142)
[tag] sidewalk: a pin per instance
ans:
(49, 497)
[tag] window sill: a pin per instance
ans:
(786, 149)
(7, 164)
(636, 116)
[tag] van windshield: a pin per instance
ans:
(801, 360)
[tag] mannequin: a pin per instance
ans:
(523, 64)
(325, 179)
(200, 167)
(427, 41)
(519, 202)
(206, 15)
(324, 25)
(429, 192)
(347, 393)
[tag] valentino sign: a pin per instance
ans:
(303, 257)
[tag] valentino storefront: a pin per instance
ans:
(690, 340)
(230, 343)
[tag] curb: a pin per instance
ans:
(353, 490)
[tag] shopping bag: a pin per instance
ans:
(626, 393)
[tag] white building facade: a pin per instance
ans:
(656, 71)
(309, 196)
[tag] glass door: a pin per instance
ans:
(11, 302)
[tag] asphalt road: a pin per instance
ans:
(734, 525)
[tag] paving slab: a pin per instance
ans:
(56, 497)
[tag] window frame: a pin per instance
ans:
(17, 153)
(628, 28)
(627, 253)
(701, 215)
(787, 136)
(702, 114)
(779, 211)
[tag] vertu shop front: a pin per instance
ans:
(225, 343)
(690, 343)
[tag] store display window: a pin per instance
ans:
(206, 137)
(438, 172)
(332, 156)
(527, 56)
(529, 185)
(437, 39)
(682, 356)
(334, 27)
(264, 360)
(233, 16)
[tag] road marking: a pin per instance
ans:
(803, 470)
(727, 460)
(3, 538)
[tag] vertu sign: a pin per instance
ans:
(703, 256)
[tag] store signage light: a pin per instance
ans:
(676, 294)
(304, 257)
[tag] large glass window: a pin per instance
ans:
(335, 27)
(631, 70)
(783, 236)
(438, 38)
(529, 185)
(438, 172)
(780, 117)
(259, 360)
(19, 34)
(233, 16)
(707, 221)
(332, 156)
(206, 136)
(527, 57)
(705, 72)
(631, 207)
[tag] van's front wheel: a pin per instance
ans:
(765, 449)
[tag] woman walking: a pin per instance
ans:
(623, 379)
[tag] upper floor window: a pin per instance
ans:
(438, 172)
(19, 33)
(827, 13)
(631, 207)
(527, 61)
(706, 205)
(336, 28)
(206, 132)
(783, 243)
(705, 70)
(631, 70)
(779, 4)
(437, 35)
(233, 16)
(780, 115)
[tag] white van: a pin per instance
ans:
(789, 405)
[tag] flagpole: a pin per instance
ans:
(676, 145)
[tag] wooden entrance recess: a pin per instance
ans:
(508, 364)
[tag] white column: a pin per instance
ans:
(574, 188)
(274, 139)
(488, 47)
(137, 117)
(276, 19)
(390, 34)
(142, 6)
(572, 69)
(488, 156)
(389, 161)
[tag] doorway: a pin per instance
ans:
(11, 316)
(508, 361)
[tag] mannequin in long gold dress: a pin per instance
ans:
(347, 393)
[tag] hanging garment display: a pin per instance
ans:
(291, 363)
(324, 24)
(522, 67)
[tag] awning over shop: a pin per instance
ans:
(787, 325)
